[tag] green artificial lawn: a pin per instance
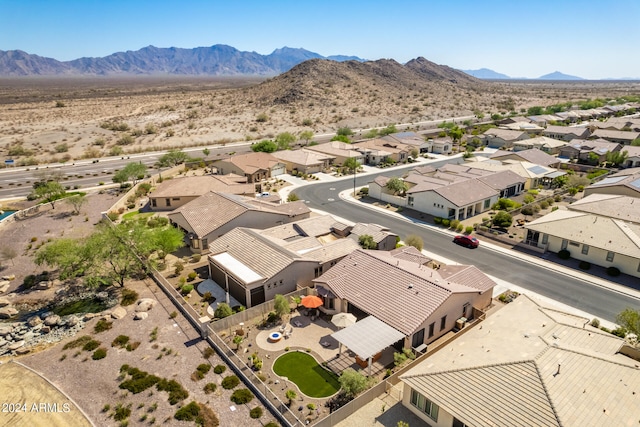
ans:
(137, 215)
(303, 370)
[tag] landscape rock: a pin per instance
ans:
(7, 312)
(42, 286)
(56, 282)
(52, 320)
(4, 302)
(3, 343)
(37, 327)
(4, 286)
(46, 314)
(8, 277)
(23, 350)
(141, 315)
(5, 330)
(118, 313)
(72, 321)
(146, 304)
(34, 320)
(16, 345)
(90, 316)
(45, 329)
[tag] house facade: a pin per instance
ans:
(503, 138)
(566, 133)
(304, 161)
(254, 166)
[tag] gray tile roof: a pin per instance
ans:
(467, 192)
(411, 254)
(378, 232)
(199, 185)
(506, 134)
(501, 180)
(612, 205)
(532, 155)
(303, 157)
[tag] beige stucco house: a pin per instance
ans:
(503, 138)
(526, 365)
(305, 161)
(617, 136)
(624, 183)
(214, 214)
(566, 133)
(398, 288)
(600, 229)
(341, 151)
(255, 166)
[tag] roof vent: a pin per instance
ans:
(410, 286)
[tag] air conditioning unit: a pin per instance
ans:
(461, 322)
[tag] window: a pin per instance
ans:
(545, 239)
(564, 244)
(317, 271)
(585, 249)
(425, 405)
(410, 200)
(487, 203)
(432, 327)
(167, 202)
(418, 338)
(576, 244)
(175, 198)
(610, 256)
(154, 203)
(443, 322)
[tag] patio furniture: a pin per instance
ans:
(313, 318)
(325, 344)
(282, 328)
(288, 334)
(298, 324)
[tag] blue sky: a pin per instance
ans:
(521, 39)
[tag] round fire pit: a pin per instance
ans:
(275, 336)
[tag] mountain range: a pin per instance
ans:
(216, 60)
(487, 74)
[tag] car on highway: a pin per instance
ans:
(468, 241)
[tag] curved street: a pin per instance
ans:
(509, 266)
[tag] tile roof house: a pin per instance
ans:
(254, 265)
(340, 150)
(600, 229)
(385, 240)
(379, 150)
(633, 156)
(548, 145)
(624, 183)
(175, 192)
(533, 174)
(255, 166)
(532, 156)
(305, 161)
(499, 138)
(411, 139)
(583, 149)
(526, 365)
(399, 289)
(617, 136)
(566, 133)
(214, 214)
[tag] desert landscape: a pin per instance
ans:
(61, 119)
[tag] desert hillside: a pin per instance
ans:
(52, 119)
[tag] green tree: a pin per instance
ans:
(629, 319)
(291, 395)
(388, 130)
(351, 164)
(414, 153)
(353, 382)
(502, 219)
(223, 310)
(237, 340)
(578, 181)
(50, 192)
(173, 158)
(367, 242)
(306, 136)
(131, 172)
(206, 152)
(281, 305)
(415, 241)
(636, 142)
(370, 134)
(167, 239)
(535, 111)
(617, 158)
(8, 253)
(456, 133)
(397, 185)
(345, 131)
(264, 146)
(292, 197)
(341, 138)
(284, 140)
(68, 255)
(77, 201)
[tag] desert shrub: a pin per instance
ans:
(445, 222)
(223, 310)
(133, 346)
(207, 297)
(78, 342)
(460, 227)
(241, 396)
(219, 369)
(192, 276)
(437, 220)
(100, 353)
(230, 382)
(557, 198)
(121, 412)
(210, 388)
(256, 412)
(128, 296)
(271, 424)
(188, 412)
(619, 332)
(176, 392)
(91, 345)
(207, 353)
(468, 229)
(120, 341)
(186, 289)
(564, 254)
(102, 325)
(204, 368)
(595, 323)
(527, 210)
(544, 204)
(584, 265)
(178, 267)
(196, 257)
(613, 271)
(139, 384)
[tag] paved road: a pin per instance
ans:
(601, 302)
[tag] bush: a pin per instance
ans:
(219, 369)
(128, 296)
(502, 219)
(192, 276)
(468, 229)
(241, 396)
(176, 392)
(100, 353)
(256, 412)
(120, 341)
(91, 345)
(133, 346)
(437, 220)
(230, 382)
(544, 204)
(122, 412)
(564, 254)
(196, 258)
(595, 323)
(186, 289)
(445, 222)
(454, 223)
(139, 382)
(178, 267)
(584, 265)
(210, 388)
(613, 271)
(204, 368)
(188, 412)
(207, 353)
(223, 310)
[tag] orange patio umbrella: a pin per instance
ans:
(311, 301)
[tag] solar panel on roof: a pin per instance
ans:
(635, 183)
(611, 180)
(537, 169)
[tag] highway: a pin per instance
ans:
(601, 302)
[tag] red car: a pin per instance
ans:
(468, 241)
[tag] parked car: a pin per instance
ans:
(468, 241)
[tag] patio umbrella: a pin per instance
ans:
(342, 320)
(311, 301)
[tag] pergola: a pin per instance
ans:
(367, 337)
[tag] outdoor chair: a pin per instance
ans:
(325, 344)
